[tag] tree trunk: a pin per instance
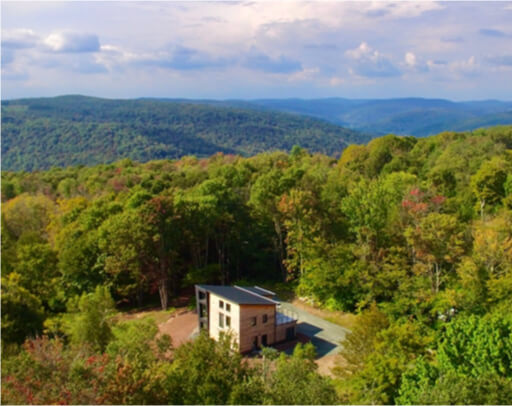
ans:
(279, 233)
(482, 205)
(163, 292)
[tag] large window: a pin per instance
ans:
(221, 320)
(228, 321)
(221, 304)
(265, 318)
(228, 307)
(253, 321)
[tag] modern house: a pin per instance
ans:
(250, 314)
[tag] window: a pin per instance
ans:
(202, 310)
(264, 340)
(228, 321)
(221, 320)
(253, 321)
(221, 304)
(201, 295)
(228, 307)
(265, 318)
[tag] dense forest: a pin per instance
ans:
(76, 130)
(404, 116)
(412, 235)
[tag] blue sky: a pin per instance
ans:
(454, 50)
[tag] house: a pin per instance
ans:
(250, 314)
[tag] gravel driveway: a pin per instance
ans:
(324, 335)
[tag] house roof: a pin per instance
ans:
(237, 294)
(258, 290)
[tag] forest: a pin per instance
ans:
(41, 133)
(414, 236)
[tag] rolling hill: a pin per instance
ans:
(77, 130)
(408, 116)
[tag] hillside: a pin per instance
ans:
(409, 116)
(77, 130)
(411, 236)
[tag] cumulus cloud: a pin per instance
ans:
(403, 9)
(71, 42)
(410, 59)
(19, 39)
(261, 62)
(370, 63)
(413, 63)
(182, 58)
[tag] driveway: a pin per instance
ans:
(324, 335)
(180, 327)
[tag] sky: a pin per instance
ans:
(249, 50)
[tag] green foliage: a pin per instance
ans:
(472, 365)
(22, 311)
(390, 231)
(205, 371)
(92, 323)
(77, 130)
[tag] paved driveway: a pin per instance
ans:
(324, 335)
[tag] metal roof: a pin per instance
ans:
(258, 290)
(238, 294)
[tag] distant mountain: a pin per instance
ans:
(409, 116)
(412, 116)
(73, 130)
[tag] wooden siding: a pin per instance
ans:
(248, 331)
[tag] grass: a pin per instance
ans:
(340, 318)
(159, 316)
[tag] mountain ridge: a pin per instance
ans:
(80, 130)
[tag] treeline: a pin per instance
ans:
(76, 130)
(415, 235)
(98, 360)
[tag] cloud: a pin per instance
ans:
(71, 42)
(502, 60)
(455, 39)
(410, 59)
(7, 56)
(413, 63)
(403, 9)
(371, 63)
(178, 58)
(19, 39)
(262, 62)
(321, 47)
(490, 32)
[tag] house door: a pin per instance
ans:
(255, 343)
(264, 340)
(290, 333)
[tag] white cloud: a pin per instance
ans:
(410, 59)
(368, 62)
(19, 38)
(72, 42)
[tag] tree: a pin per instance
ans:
(22, 311)
(472, 366)
(27, 213)
(204, 371)
(489, 182)
(437, 243)
(91, 322)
